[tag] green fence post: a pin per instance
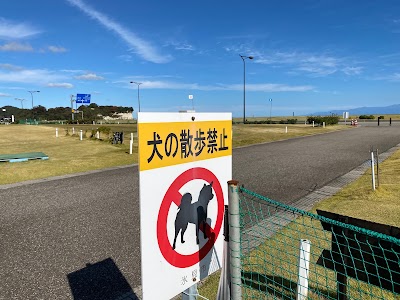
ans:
(234, 240)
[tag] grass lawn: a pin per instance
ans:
(67, 154)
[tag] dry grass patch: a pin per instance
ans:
(66, 154)
(277, 257)
(358, 200)
(261, 133)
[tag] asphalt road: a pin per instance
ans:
(50, 230)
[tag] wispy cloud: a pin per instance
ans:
(10, 67)
(60, 85)
(13, 30)
(180, 46)
(16, 47)
(395, 77)
(4, 95)
(56, 49)
(89, 76)
(315, 65)
(352, 70)
(32, 76)
(299, 63)
(125, 57)
(72, 71)
(264, 87)
(143, 48)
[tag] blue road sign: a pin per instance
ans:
(83, 98)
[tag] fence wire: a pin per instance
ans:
(346, 261)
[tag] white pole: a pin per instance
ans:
(73, 130)
(234, 240)
(286, 130)
(323, 124)
(131, 144)
(304, 266)
(312, 123)
(305, 122)
(56, 132)
(98, 135)
(373, 170)
(80, 135)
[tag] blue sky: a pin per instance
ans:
(310, 55)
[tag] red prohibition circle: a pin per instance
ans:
(174, 258)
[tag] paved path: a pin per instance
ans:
(50, 229)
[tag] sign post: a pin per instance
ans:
(185, 160)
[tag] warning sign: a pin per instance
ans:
(185, 163)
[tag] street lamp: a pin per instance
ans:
(270, 110)
(33, 115)
(138, 98)
(191, 98)
(243, 57)
(22, 100)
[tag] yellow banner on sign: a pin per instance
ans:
(173, 143)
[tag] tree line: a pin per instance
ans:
(90, 113)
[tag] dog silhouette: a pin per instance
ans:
(195, 213)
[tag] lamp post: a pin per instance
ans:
(191, 98)
(22, 100)
(243, 57)
(33, 115)
(270, 110)
(138, 97)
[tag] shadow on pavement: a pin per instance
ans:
(100, 281)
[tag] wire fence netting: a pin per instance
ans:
(345, 261)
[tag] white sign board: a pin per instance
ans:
(185, 161)
(346, 115)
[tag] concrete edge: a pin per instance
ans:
(41, 180)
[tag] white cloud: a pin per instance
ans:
(12, 30)
(4, 95)
(352, 70)
(125, 57)
(90, 76)
(299, 63)
(315, 65)
(33, 76)
(265, 87)
(395, 77)
(10, 67)
(61, 85)
(180, 46)
(143, 48)
(17, 47)
(56, 49)
(72, 71)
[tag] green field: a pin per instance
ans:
(67, 154)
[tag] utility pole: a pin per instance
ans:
(72, 107)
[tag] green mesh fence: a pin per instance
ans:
(345, 261)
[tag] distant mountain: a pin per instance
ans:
(392, 109)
